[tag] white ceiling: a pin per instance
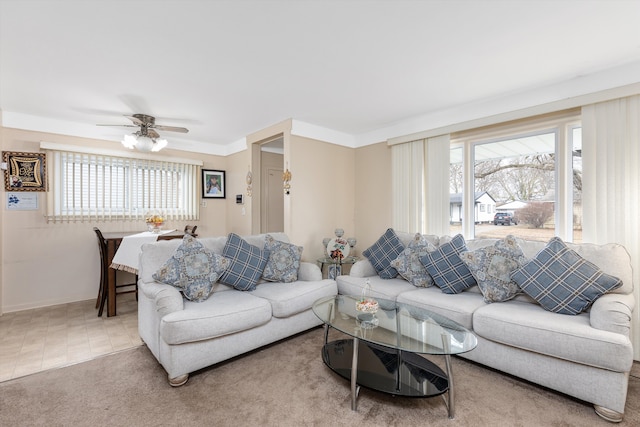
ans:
(365, 70)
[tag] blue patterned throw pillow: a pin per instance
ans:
(193, 269)
(246, 263)
(408, 262)
(284, 261)
(562, 281)
(492, 266)
(447, 269)
(382, 252)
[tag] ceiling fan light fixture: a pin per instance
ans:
(129, 141)
(147, 139)
(144, 143)
(159, 144)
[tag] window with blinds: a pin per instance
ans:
(85, 186)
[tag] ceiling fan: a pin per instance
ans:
(147, 138)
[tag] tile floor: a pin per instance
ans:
(50, 337)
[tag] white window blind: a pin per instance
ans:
(98, 187)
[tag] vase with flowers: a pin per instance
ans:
(154, 222)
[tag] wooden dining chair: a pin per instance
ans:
(191, 229)
(104, 276)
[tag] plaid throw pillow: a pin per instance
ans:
(383, 252)
(562, 281)
(447, 269)
(193, 269)
(246, 263)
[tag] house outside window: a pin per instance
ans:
(524, 170)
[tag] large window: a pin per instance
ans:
(530, 176)
(85, 186)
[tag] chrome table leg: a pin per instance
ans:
(447, 360)
(354, 376)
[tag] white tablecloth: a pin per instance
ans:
(126, 257)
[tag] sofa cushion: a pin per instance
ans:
(562, 281)
(447, 269)
(408, 262)
(492, 266)
(530, 327)
(223, 314)
(458, 307)
(287, 299)
(283, 262)
(380, 288)
(193, 269)
(382, 252)
(246, 263)
(362, 268)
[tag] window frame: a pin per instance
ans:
(149, 200)
(562, 124)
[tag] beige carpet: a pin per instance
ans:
(285, 384)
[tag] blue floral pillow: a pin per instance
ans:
(408, 262)
(447, 269)
(382, 252)
(562, 281)
(246, 263)
(284, 261)
(193, 269)
(492, 266)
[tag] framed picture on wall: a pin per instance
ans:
(25, 171)
(213, 184)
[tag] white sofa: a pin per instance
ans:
(186, 336)
(588, 356)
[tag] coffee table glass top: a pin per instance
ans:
(396, 325)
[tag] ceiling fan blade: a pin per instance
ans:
(135, 120)
(152, 133)
(125, 126)
(171, 128)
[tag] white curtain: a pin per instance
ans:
(420, 174)
(437, 194)
(611, 183)
(408, 186)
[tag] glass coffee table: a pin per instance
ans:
(384, 350)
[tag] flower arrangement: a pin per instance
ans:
(366, 304)
(154, 222)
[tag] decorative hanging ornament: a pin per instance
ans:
(249, 180)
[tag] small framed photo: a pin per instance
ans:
(213, 184)
(25, 171)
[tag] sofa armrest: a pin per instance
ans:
(167, 298)
(612, 312)
(309, 272)
(362, 268)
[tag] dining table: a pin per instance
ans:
(114, 241)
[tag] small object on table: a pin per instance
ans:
(367, 307)
(154, 223)
(338, 248)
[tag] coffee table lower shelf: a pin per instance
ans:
(385, 369)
